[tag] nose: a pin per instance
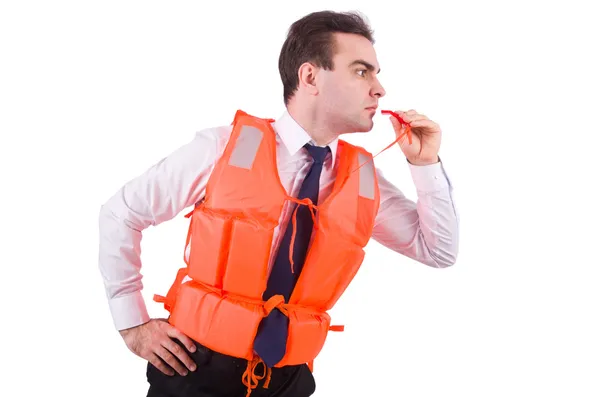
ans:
(377, 90)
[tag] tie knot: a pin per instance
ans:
(318, 153)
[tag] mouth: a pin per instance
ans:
(372, 108)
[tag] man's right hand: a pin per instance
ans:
(153, 341)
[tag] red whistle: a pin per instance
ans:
(397, 116)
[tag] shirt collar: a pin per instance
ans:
(294, 137)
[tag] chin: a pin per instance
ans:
(358, 125)
(365, 126)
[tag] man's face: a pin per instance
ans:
(350, 92)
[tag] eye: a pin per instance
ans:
(364, 71)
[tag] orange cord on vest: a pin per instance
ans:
(312, 208)
(276, 301)
(250, 378)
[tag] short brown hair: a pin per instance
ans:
(310, 39)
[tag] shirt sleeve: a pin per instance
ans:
(164, 190)
(426, 231)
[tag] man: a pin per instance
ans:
(282, 210)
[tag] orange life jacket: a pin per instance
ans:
(230, 237)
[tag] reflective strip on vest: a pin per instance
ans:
(367, 177)
(246, 147)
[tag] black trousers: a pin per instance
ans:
(219, 375)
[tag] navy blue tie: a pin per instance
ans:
(272, 333)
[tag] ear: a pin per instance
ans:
(307, 78)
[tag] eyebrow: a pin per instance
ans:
(365, 64)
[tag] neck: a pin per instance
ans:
(313, 123)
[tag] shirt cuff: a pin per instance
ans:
(430, 178)
(128, 311)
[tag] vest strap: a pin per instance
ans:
(169, 300)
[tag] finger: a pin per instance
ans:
(398, 127)
(171, 360)
(175, 333)
(397, 121)
(430, 125)
(400, 113)
(160, 365)
(410, 112)
(180, 353)
(416, 117)
(411, 115)
(401, 131)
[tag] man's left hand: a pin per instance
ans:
(426, 137)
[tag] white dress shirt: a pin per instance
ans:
(426, 231)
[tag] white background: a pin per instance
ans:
(93, 93)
